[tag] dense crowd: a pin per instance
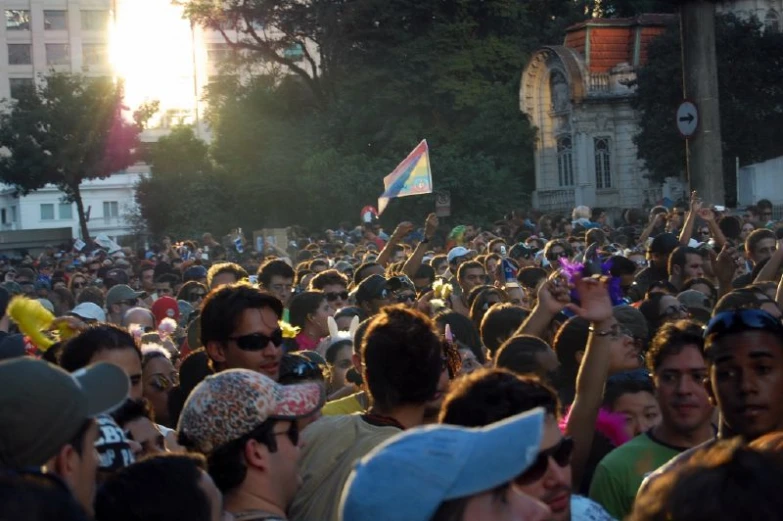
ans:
(544, 368)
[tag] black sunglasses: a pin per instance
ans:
(739, 320)
(258, 341)
(561, 453)
(196, 295)
(342, 295)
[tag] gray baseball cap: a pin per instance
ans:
(42, 407)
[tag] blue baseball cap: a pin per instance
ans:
(411, 475)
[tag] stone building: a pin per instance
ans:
(578, 97)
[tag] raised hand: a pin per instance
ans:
(595, 303)
(554, 294)
(431, 225)
(403, 229)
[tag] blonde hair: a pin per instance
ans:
(581, 212)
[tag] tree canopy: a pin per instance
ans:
(63, 130)
(750, 78)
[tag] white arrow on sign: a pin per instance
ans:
(687, 118)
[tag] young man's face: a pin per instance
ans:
(164, 289)
(471, 278)
(694, 266)
(336, 295)
(264, 359)
(147, 281)
(282, 288)
(746, 382)
(679, 387)
(764, 250)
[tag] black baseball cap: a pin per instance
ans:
(374, 286)
(42, 406)
(664, 243)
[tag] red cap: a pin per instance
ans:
(165, 307)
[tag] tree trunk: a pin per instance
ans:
(77, 197)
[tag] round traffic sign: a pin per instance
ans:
(687, 118)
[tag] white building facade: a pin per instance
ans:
(578, 96)
(109, 203)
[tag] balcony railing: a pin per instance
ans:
(555, 200)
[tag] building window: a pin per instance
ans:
(565, 162)
(66, 211)
(95, 20)
(13, 214)
(295, 52)
(20, 54)
(3, 216)
(58, 54)
(772, 21)
(47, 212)
(56, 20)
(17, 20)
(603, 168)
(110, 210)
(19, 86)
(95, 54)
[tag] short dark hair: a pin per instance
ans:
(158, 488)
(274, 267)
(491, 395)
(226, 267)
(438, 260)
(755, 237)
(615, 388)
(223, 308)
(518, 354)
(671, 339)
(79, 350)
(189, 287)
(402, 356)
(357, 275)
(425, 271)
(742, 298)
(765, 204)
(131, 410)
(530, 277)
(226, 463)
(168, 278)
(731, 226)
(304, 304)
(500, 323)
(468, 265)
(678, 256)
(328, 278)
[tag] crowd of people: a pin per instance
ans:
(544, 368)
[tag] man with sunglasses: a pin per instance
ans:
(240, 330)
(523, 255)
(119, 299)
(744, 353)
(252, 451)
(334, 285)
(490, 396)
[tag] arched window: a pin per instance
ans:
(772, 21)
(565, 162)
(558, 90)
(603, 163)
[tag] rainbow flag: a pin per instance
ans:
(411, 177)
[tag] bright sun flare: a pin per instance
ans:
(152, 49)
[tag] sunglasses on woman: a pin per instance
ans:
(341, 295)
(561, 453)
(258, 341)
(196, 295)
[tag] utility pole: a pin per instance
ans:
(700, 85)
